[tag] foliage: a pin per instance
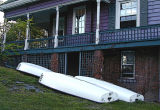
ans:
(49, 99)
(4, 55)
(17, 30)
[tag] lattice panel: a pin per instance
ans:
(86, 64)
(13, 61)
(43, 60)
(61, 63)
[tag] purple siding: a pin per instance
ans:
(69, 21)
(153, 12)
(88, 18)
(103, 18)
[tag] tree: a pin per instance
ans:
(16, 30)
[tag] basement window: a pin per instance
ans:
(128, 64)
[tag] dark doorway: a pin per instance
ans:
(112, 65)
(73, 64)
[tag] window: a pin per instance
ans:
(127, 64)
(127, 13)
(61, 30)
(79, 20)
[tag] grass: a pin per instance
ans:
(23, 99)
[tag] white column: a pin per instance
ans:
(98, 20)
(57, 26)
(27, 33)
(4, 34)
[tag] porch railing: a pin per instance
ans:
(76, 40)
(14, 45)
(41, 43)
(106, 37)
(63, 41)
(130, 35)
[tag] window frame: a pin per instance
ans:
(60, 18)
(118, 10)
(74, 19)
(128, 64)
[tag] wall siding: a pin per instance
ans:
(88, 17)
(103, 17)
(111, 18)
(153, 12)
(143, 12)
(69, 21)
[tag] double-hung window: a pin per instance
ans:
(79, 15)
(61, 30)
(127, 13)
(128, 64)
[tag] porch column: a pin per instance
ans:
(27, 33)
(57, 26)
(98, 20)
(4, 34)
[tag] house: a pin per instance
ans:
(115, 40)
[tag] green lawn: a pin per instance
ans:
(15, 96)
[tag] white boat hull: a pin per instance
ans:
(123, 93)
(32, 69)
(76, 87)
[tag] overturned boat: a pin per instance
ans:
(32, 69)
(123, 93)
(76, 87)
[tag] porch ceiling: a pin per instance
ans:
(43, 16)
(37, 7)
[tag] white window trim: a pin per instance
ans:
(73, 24)
(117, 22)
(129, 64)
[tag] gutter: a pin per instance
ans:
(15, 4)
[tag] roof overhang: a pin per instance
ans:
(23, 2)
(43, 9)
(15, 4)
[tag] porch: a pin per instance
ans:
(117, 38)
